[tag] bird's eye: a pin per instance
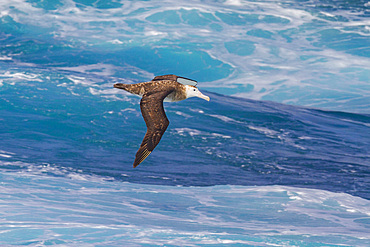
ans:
(194, 90)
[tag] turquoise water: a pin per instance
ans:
(279, 156)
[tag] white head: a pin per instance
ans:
(192, 91)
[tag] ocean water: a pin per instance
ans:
(280, 156)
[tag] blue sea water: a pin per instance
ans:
(280, 156)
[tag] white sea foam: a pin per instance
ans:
(116, 42)
(233, 2)
(155, 33)
(19, 76)
(65, 209)
(191, 132)
(281, 135)
(30, 169)
(291, 58)
(5, 58)
(98, 69)
(225, 118)
(202, 134)
(265, 131)
(183, 114)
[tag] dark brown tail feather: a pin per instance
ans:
(120, 86)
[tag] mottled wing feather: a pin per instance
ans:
(151, 106)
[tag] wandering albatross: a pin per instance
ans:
(168, 88)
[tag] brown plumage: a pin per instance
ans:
(153, 93)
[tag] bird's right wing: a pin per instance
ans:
(151, 106)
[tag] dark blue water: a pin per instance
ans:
(226, 141)
(279, 156)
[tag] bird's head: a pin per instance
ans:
(192, 91)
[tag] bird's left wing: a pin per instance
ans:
(151, 106)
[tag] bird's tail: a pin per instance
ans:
(121, 86)
(137, 89)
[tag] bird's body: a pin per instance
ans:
(177, 94)
(153, 93)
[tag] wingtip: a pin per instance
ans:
(135, 164)
(141, 157)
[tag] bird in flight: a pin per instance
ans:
(168, 88)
